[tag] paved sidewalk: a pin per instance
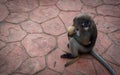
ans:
(33, 36)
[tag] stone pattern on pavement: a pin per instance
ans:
(33, 36)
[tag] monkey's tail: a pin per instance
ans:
(102, 61)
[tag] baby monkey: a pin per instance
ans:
(82, 37)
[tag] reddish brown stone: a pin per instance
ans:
(62, 42)
(55, 62)
(111, 1)
(32, 65)
(66, 5)
(48, 72)
(2, 44)
(102, 43)
(16, 17)
(20, 74)
(104, 26)
(44, 13)
(39, 44)
(3, 1)
(100, 69)
(80, 67)
(112, 54)
(11, 32)
(92, 3)
(54, 26)
(48, 2)
(31, 27)
(115, 37)
(114, 21)
(87, 9)
(116, 68)
(13, 58)
(22, 5)
(108, 10)
(3, 12)
(67, 17)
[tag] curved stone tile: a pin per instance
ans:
(13, 58)
(112, 54)
(62, 42)
(111, 1)
(2, 44)
(22, 5)
(108, 10)
(55, 62)
(48, 72)
(31, 27)
(11, 32)
(92, 3)
(103, 42)
(44, 13)
(32, 65)
(48, 2)
(53, 26)
(80, 67)
(73, 5)
(67, 17)
(17, 17)
(115, 36)
(3, 12)
(39, 44)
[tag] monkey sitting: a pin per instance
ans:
(82, 37)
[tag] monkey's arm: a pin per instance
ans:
(93, 38)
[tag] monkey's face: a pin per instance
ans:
(82, 23)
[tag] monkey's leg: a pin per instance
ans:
(74, 50)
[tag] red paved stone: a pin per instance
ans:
(31, 27)
(116, 68)
(48, 72)
(100, 69)
(48, 2)
(55, 62)
(104, 26)
(14, 58)
(53, 26)
(114, 21)
(115, 37)
(44, 13)
(39, 44)
(16, 17)
(11, 32)
(89, 10)
(102, 43)
(67, 17)
(2, 44)
(92, 3)
(108, 10)
(66, 5)
(22, 5)
(81, 67)
(3, 12)
(32, 65)
(112, 54)
(20, 74)
(62, 42)
(111, 1)
(3, 1)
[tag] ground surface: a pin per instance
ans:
(33, 36)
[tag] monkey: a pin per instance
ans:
(82, 37)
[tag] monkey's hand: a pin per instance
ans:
(71, 30)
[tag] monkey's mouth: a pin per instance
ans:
(86, 28)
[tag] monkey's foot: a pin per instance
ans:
(67, 55)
